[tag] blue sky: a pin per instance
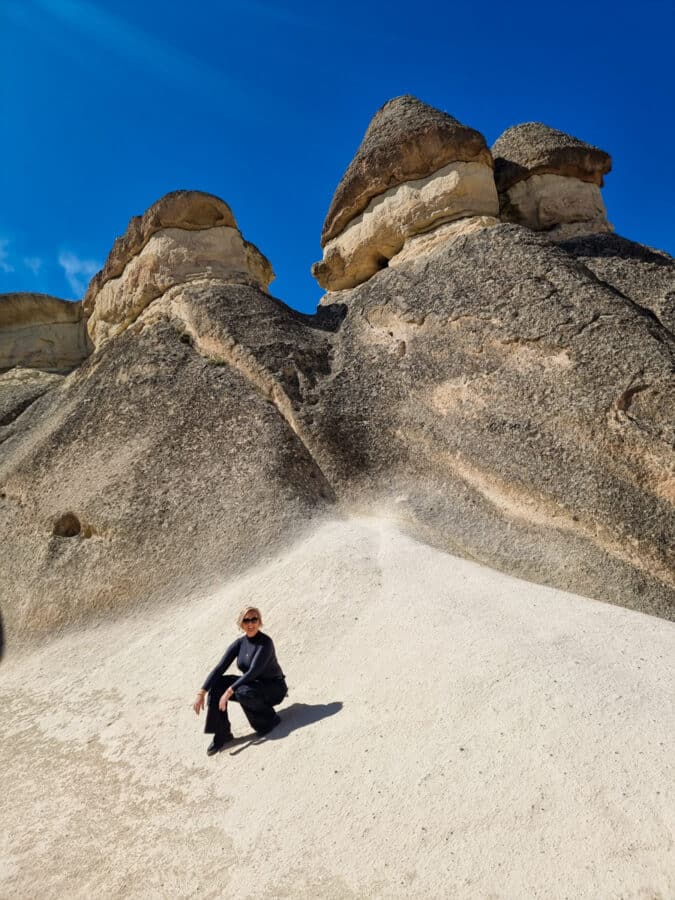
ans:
(107, 106)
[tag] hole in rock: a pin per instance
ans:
(67, 525)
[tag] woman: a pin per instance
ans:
(259, 689)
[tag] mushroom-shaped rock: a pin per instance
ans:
(417, 168)
(185, 235)
(42, 332)
(550, 181)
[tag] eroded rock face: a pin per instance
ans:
(508, 405)
(501, 396)
(416, 169)
(41, 332)
(550, 181)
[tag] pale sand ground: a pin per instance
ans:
(533, 758)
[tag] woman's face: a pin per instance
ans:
(251, 623)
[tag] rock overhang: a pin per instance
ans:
(405, 140)
(550, 181)
(533, 148)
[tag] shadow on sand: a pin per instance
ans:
(293, 717)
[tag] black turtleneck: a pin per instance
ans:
(256, 658)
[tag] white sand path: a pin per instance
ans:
(498, 740)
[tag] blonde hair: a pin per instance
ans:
(248, 609)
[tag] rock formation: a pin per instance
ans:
(169, 457)
(417, 169)
(502, 396)
(550, 181)
(41, 332)
(186, 235)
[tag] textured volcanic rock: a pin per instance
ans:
(168, 458)
(549, 180)
(189, 210)
(499, 395)
(42, 332)
(406, 140)
(417, 168)
(507, 404)
(20, 388)
(534, 149)
(642, 274)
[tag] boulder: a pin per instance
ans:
(550, 181)
(417, 169)
(42, 332)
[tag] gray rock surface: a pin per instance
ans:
(642, 274)
(511, 407)
(535, 149)
(499, 396)
(175, 465)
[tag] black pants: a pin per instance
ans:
(257, 699)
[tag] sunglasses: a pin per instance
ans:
(252, 619)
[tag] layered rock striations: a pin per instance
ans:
(500, 395)
(42, 332)
(550, 181)
(417, 169)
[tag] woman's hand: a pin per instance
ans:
(223, 700)
(199, 702)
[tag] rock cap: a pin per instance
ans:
(406, 140)
(534, 149)
(190, 210)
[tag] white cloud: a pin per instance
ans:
(34, 263)
(77, 271)
(4, 257)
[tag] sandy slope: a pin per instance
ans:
(499, 739)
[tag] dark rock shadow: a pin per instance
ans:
(293, 717)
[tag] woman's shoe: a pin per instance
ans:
(218, 743)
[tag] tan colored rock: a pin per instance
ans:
(172, 256)
(550, 181)
(406, 140)
(458, 190)
(416, 169)
(557, 203)
(421, 244)
(41, 332)
(489, 392)
(189, 210)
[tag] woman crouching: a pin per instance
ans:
(258, 690)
